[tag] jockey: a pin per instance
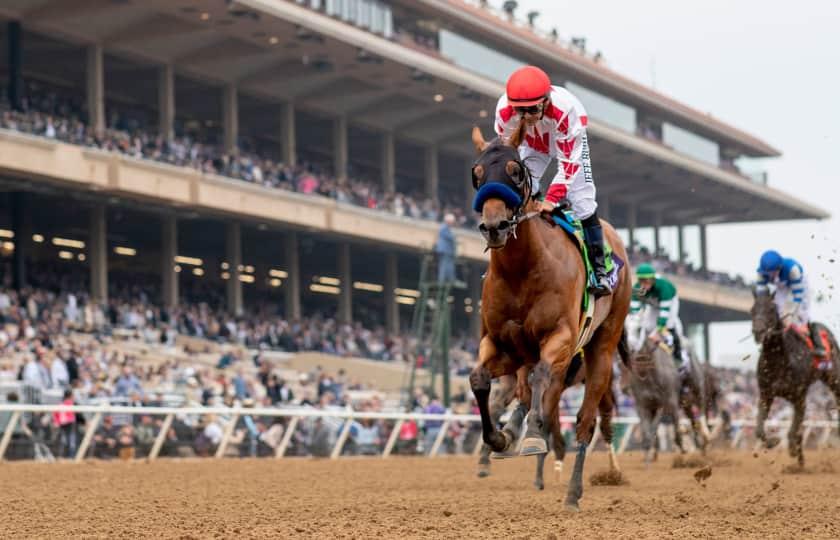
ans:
(556, 128)
(791, 295)
(649, 288)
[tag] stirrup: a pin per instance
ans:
(600, 287)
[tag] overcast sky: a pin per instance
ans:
(766, 66)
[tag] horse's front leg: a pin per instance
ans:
(764, 403)
(555, 356)
(500, 398)
(795, 433)
(491, 363)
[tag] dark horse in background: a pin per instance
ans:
(532, 306)
(786, 369)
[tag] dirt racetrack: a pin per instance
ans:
(750, 497)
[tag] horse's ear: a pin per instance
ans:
(478, 140)
(517, 136)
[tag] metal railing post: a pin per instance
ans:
(392, 439)
(287, 437)
(164, 429)
(90, 430)
(7, 435)
(342, 438)
(220, 451)
(625, 439)
(444, 428)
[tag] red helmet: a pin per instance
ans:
(527, 86)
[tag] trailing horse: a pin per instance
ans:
(786, 369)
(655, 386)
(532, 308)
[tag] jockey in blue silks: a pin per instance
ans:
(791, 297)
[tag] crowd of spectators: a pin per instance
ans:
(666, 265)
(49, 113)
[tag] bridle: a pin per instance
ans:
(523, 186)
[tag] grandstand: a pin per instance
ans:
(291, 159)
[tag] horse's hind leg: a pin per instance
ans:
(500, 398)
(598, 377)
(606, 407)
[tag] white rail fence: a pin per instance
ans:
(17, 411)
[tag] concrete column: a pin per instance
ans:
(392, 311)
(680, 244)
(604, 208)
(631, 226)
(431, 171)
(288, 134)
(96, 88)
(230, 117)
(469, 190)
(703, 253)
(15, 60)
(345, 298)
(389, 163)
(707, 343)
(98, 254)
(292, 283)
(22, 228)
(168, 251)
(166, 102)
(657, 226)
(233, 248)
(475, 295)
(340, 147)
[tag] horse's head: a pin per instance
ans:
(502, 183)
(765, 316)
(642, 361)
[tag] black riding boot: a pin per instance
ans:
(593, 234)
(819, 350)
(677, 347)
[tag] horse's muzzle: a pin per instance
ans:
(496, 234)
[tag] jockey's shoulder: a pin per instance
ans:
(563, 99)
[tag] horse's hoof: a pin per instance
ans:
(772, 442)
(558, 466)
(539, 485)
(483, 473)
(572, 507)
(511, 452)
(533, 446)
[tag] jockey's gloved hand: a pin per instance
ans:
(547, 206)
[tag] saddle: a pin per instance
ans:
(571, 225)
(803, 332)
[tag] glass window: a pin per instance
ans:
(605, 109)
(477, 57)
(690, 144)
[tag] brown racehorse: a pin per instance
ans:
(531, 307)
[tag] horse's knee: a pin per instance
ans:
(480, 379)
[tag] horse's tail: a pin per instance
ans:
(623, 349)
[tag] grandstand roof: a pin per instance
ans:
(289, 52)
(515, 38)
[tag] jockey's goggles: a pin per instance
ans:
(533, 109)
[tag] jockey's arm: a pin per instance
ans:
(572, 152)
(796, 282)
(666, 293)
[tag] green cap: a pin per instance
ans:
(645, 271)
